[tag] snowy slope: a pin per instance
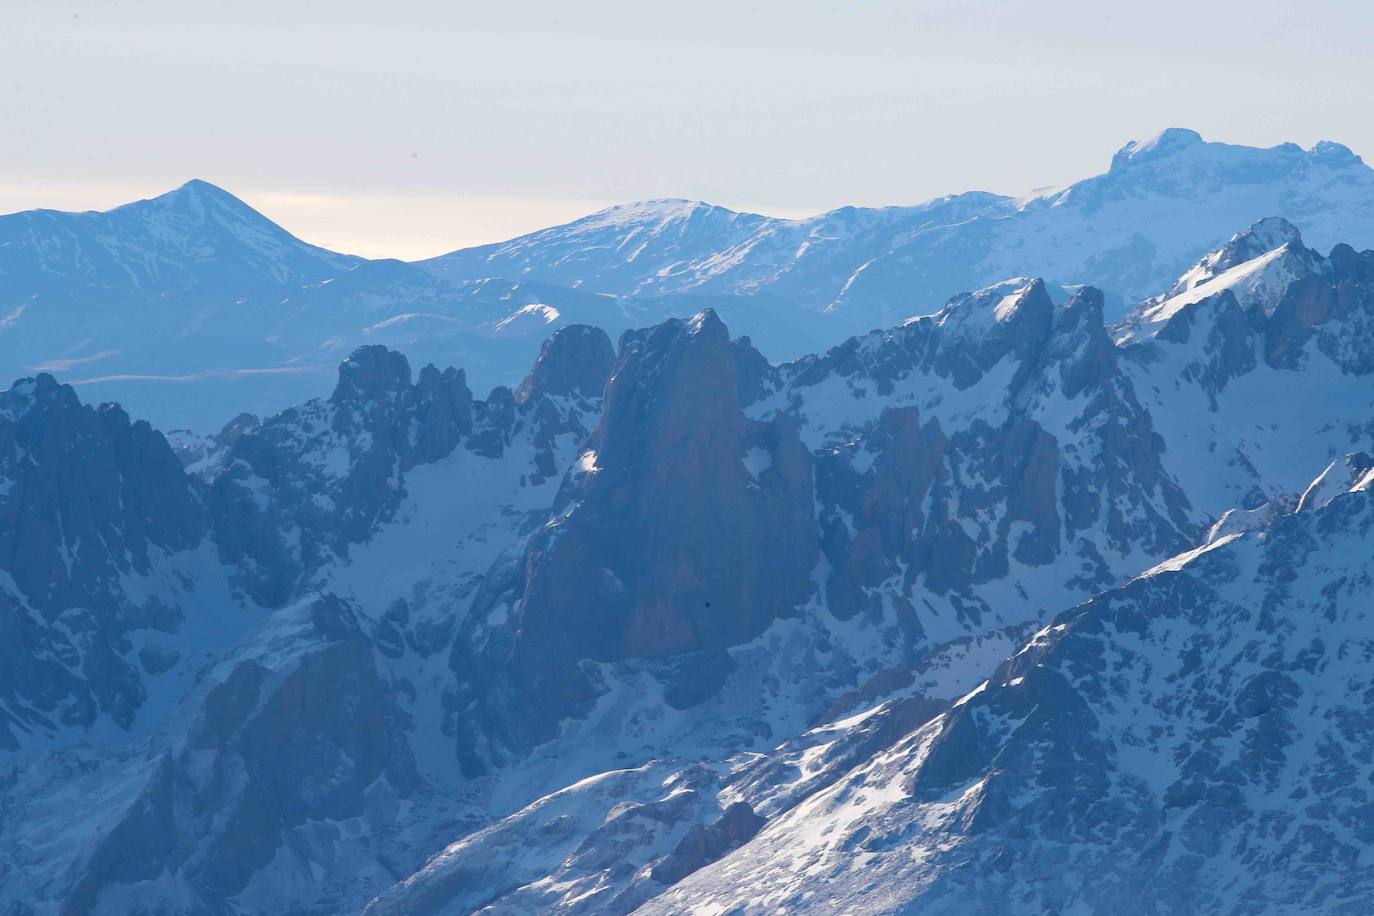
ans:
(1194, 741)
(1056, 784)
(1253, 374)
(1163, 203)
(287, 754)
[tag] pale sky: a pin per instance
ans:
(406, 129)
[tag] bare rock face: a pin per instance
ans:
(575, 360)
(88, 500)
(277, 748)
(688, 528)
(1150, 739)
(88, 482)
(443, 413)
(310, 481)
(1280, 294)
(1334, 306)
(704, 844)
(671, 510)
(1053, 460)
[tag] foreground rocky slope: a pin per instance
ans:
(1196, 740)
(1189, 741)
(258, 739)
(652, 615)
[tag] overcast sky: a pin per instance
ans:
(406, 129)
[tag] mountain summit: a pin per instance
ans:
(1169, 140)
(1164, 201)
(194, 307)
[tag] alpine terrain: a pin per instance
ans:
(191, 307)
(985, 556)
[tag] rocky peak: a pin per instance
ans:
(1262, 237)
(676, 372)
(1014, 303)
(686, 527)
(305, 484)
(1168, 141)
(1079, 342)
(968, 337)
(90, 502)
(1331, 153)
(372, 373)
(85, 493)
(29, 393)
(1256, 268)
(1354, 472)
(1333, 304)
(443, 411)
(575, 360)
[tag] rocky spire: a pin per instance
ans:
(575, 360)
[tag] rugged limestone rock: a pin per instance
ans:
(687, 528)
(276, 746)
(575, 360)
(705, 844)
(1166, 747)
(88, 496)
(312, 480)
(283, 771)
(1035, 452)
(1279, 326)
(1335, 306)
(790, 574)
(90, 503)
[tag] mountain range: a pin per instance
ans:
(190, 308)
(1032, 602)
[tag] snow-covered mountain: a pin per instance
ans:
(191, 307)
(1256, 372)
(668, 626)
(1193, 741)
(1164, 202)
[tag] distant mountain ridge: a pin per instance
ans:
(191, 307)
(1124, 231)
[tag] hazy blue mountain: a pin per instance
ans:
(1163, 202)
(191, 307)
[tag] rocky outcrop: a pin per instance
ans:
(681, 496)
(705, 844)
(687, 527)
(1205, 718)
(90, 504)
(88, 495)
(1049, 460)
(575, 360)
(791, 570)
(1335, 307)
(312, 480)
(1286, 325)
(277, 748)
